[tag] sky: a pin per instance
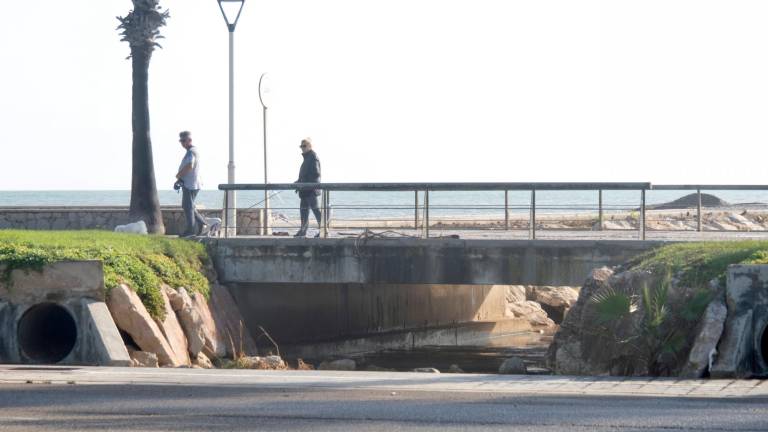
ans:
(671, 91)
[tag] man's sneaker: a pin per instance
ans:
(301, 233)
(317, 235)
(203, 230)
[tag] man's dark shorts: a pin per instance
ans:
(309, 202)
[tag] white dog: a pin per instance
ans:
(214, 226)
(135, 228)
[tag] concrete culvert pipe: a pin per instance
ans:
(47, 332)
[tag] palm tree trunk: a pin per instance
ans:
(144, 202)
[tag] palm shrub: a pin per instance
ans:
(646, 329)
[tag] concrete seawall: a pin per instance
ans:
(81, 218)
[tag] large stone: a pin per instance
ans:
(530, 311)
(513, 366)
(215, 346)
(516, 293)
(263, 363)
(705, 345)
(743, 223)
(229, 322)
(565, 352)
(172, 330)
(143, 359)
(202, 361)
(132, 317)
(569, 359)
(190, 320)
(555, 300)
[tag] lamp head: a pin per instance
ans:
(230, 10)
(265, 90)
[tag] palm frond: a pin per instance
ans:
(611, 306)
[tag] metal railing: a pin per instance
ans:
(424, 207)
(423, 219)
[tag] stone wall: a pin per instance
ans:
(107, 218)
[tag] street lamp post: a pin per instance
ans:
(263, 98)
(230, 10)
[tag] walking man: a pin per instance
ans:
(187, 180)
(308, 173)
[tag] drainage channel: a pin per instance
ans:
(530, 347)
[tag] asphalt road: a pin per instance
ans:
(39, 407)
(158, 400)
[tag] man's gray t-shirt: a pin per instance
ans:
(190, 179)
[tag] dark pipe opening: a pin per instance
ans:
(47, 333)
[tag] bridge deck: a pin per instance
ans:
(671, 236)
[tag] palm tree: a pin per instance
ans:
(141, 29)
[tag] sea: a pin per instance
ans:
(394, 205)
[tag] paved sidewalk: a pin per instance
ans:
(389, 381)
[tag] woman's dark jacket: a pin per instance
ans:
(309, 173)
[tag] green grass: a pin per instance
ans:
(142, 262)
(698, 263)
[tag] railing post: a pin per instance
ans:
(226, 214)
(642, 214)
(416, 209)
(532, 221)
(324, 213)
(426, 213)
(329, 218)
(698, 210)
(600, 209)
(265, 222)
(506, 210)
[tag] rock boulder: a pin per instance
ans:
(530, 311)
(132, 317)
(705, 345)
(555, 300)
(172, 330)
(143, 359)
(190, 320)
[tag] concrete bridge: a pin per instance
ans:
(417, 261)
(375, 293)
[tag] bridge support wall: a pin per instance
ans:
(414, 261)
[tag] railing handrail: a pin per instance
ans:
(708, 187)
(486, 186)
(453, 186)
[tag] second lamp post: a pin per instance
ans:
(230, 10)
